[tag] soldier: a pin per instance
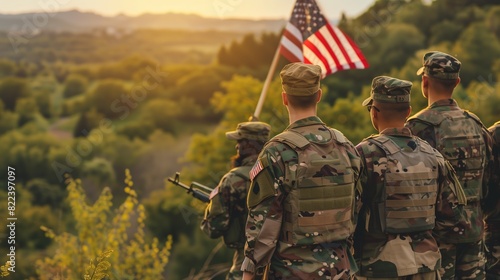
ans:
(226, 213)
(492, 211)
(409, 191)
(463, 140)
(302, 196)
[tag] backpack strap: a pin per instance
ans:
(242, 171)
(339, 136)
(385, 143)
(292, 139)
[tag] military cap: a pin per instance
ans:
(300, 79)
(440, 65)
(389, 90)
(250, 130)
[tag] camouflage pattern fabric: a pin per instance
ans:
(466, 261)
(226, 214)
(492, 211)
(393, 255)
(440, 65)
(267, 199)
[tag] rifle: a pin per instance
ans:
(201, 192)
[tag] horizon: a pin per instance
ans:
(223, 9)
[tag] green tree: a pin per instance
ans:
(74, 85)
(493, 20)
(12, 89)
(109, 98)
(27, 110)
(473, 44)
(7, 68)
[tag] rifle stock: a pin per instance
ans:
(201, 192)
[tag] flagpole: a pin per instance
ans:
(267, 82)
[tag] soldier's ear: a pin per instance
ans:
(320, 92)
(284, 98)
(409, 112)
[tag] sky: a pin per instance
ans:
(251, 9)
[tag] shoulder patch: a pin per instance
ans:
(256, 169)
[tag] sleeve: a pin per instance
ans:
(451, 218)
(265, 213)
(490, 187)
(422, 130)
(216, 219)
(360, 215)
(491, 203)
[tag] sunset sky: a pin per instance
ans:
(254, 9)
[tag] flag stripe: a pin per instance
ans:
(256, 169)
(341, 45)
(291, 44)
(293, 34)
(315, 56)
(326, 39)
(309, 37)
(362, 62)
(342, 62)
(291, 51)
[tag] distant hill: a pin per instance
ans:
(77, 21)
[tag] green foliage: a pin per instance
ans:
(87, 121)
(160, 113)
(98, 270)
(11, 90)
(44, 193)
(473, 44)
(75, 85)
(107, 98)
(44, 104)
(99, 169)
(27, 109)
(7, 68)
(249, 52)
(120, 250)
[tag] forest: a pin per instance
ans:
(93, 123)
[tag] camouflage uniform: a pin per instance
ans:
(227, 212)
(286, 230)
(492, 211)
(388, 243)
(462, 139)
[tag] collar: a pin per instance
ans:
(397, 131)
(444, 102)
(305, 122)
(249, 160)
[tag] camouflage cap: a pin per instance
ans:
(300, 79)
(250, 130)
(440, 65)
(389, 90)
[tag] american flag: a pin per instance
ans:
(309, 38)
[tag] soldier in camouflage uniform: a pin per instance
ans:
(302, 196)
(492, 211)
(226, 213)
(409, 191)
(464, 141)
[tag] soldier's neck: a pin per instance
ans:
(295, 115)
(435, 96)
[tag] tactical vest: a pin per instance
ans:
(320, 186)
(460, 140)
(410, 187)
(234, 236)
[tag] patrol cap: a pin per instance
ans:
(250, 130)
(440, 65)
(300, 79)
(389, 90)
